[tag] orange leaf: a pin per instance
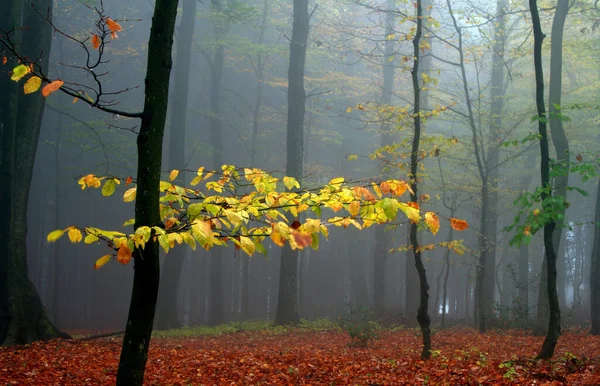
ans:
(4, 60)
(458, 225)
(128, 181)
(113, 25)
(170, 222)
(51, 87)
(113, 35)
(124, 254)
(95, 41)
(102, 261)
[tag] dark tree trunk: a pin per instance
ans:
(22, 316)
(287, 302)
(134, 353)
(166, 312)
(422, 313)
(561, 145)
(595, 272)
(547, 350)
(381, 239)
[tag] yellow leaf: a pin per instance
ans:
(174, 173)
(75, 235)
(124, 254)
(349, 110)
(290, 182)
(90, 239)
(102, 261)
(354, 208)
(129, 195)
(32, 85)
(432, 222)
(113, 25)
(352, 157)
(336, 181)
(411, 212)
(247, 245)
(18, 72)
(51, 87)
(55, 235)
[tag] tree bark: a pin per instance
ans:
(22, 316)
(547, 350)
(138, 331)
(561, 145)
(287, 302)
(381, 239)
(422, 313)
(166, 312)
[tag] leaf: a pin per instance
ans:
(432, 222)
(19, 72)
(4, 60)
(75, 235)
(113, 25)
(128, 181)
(349, 109)
(109, 187)
(174, 173)
(411, 212)
(124, 254)
(102, 261)
(352, 157)
(247, 245)
(55, 235)
(52, 87)
(95, 41)
(90, 238)
(458, 225)
(32, 85)
(129, 195)
(290, 183)
(354, 208)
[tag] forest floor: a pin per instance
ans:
(299, 356)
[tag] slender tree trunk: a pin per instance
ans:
(381, 239)
(561, 145)
(547, 350)
(22, 316)
(136, 341)
(166, 313)
(287, 302)
(422, 313)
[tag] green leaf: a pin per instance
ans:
(109, 187)
(18, 72)
(390, 208)
(90, 239)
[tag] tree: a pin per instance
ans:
(547, 350)
(561, 146)
(22, 316)
(287, 302)
(166, 314)
(595, 272)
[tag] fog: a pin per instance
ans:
(350, 130)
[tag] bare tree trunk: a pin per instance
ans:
(287, 302)
(166, 313)
(547, 350)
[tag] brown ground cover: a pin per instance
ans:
(460, 357)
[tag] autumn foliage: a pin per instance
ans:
(461, 357)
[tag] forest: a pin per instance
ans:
(350, 192)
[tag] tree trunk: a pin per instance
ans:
(166, 309)
(561, 145)
(22, 316)
(381, 239)
(547, 350)
(287, 302)
(422, 313)
(595, 272)
(134, 353)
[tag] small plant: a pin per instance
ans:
(361, 327)
(510, 370)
